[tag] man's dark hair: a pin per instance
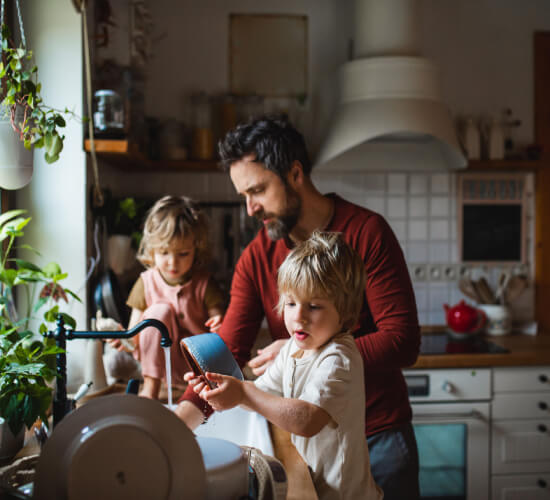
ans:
(272, 140)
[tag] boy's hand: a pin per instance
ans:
(214, 322)
(197, 382)
(227, 394)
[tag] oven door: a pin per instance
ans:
(453, 449)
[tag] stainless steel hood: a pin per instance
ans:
(390, 114)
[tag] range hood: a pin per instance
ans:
(390, 114)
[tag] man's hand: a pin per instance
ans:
(265, 356)
(214, 322)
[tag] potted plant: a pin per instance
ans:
(27, 358)
(123, 227)
(25, 120)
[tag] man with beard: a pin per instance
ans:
(269, 166)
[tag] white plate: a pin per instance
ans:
(120, 447)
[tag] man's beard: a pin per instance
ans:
(281, 225)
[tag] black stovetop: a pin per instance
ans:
(443, 343)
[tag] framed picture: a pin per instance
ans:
(268, 55)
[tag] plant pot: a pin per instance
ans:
(119, 250)
(16, 162)
(9, 444)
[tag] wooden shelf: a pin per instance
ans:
(107, 145)
(124, 156)
(508, 164)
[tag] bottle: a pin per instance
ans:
(472, 139)
(496, 140)
(202, 147)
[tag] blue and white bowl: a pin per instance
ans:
(207, 352)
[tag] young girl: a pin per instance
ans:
(314, 388)
(175, 289)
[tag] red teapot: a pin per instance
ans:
(463, 318)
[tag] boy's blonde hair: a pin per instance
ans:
(174, 217)
(325, 266)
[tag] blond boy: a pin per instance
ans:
(314, 389)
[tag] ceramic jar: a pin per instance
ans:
(499, 319)
(472, 139)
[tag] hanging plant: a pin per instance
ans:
(36, 124)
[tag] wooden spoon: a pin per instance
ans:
(515, 287)
(485, 292)
(467, 287)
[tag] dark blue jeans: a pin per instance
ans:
(394, 462)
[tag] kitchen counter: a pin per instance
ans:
(525, 350)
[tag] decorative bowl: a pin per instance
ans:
(207, 352)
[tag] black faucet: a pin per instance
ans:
(61, 405)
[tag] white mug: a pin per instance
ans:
(499, 319)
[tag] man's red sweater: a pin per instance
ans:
(388, 334)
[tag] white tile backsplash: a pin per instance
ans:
(439, 252)
(399, 228)
(439, 229)
(421, 208)
(351, 184)
(417, 252)
(418, 184)
(440, 183)
(418, 230)
(376, 203)
(418, 207)
(397, 183)
(421, 296)
(375, 183)
(396, 207)
(439, 294)
(439, 206)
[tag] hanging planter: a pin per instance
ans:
(25, 121)
(16, 161)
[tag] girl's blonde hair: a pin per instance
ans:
(174, 217)
(325, 266)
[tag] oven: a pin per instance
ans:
(451, 418)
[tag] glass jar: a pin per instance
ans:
(108, 114)
(202, 144)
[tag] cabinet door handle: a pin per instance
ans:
(450, 416)
(543, 405)
(541, 483)
(543, 378)
(542, 428)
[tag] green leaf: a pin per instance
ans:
(52, 269)
(23, 264)
(72, 294)
(59, 121)
(10, 215)
(69, 321)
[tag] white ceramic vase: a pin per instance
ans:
(9, 444)
(119, 249)
(16, 162)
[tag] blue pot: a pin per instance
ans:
(207, 352)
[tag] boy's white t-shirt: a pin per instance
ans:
(331, 378)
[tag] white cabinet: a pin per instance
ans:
(520, 432)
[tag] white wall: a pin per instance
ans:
(484, 49)
(484, 52)
(56, 195)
